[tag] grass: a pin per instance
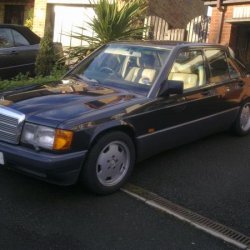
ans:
(25, 80)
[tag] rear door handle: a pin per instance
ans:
(241, 84)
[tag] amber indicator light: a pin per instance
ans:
(63, 139)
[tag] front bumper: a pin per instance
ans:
(61, 169)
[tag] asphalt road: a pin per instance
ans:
(210, 177)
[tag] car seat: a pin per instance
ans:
(144, 74)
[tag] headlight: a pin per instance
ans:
(45, 137)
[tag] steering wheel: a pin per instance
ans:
(107, 70)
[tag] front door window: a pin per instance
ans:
(189, 67)
(6, 38)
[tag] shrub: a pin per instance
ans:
(46, 57)
(25, 80)
(29, 18)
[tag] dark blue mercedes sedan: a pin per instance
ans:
(125, 102)
(19, 47)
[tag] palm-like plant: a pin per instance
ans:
(113, 21)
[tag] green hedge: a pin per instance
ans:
(24, 80)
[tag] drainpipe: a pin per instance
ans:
(219, 4)
(222, 13)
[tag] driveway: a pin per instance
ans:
(210, 177)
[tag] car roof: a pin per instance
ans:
(168, 44)
(25, 31)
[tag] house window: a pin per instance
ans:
(14, 14)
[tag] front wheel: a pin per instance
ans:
(109, 163)
(242, 123)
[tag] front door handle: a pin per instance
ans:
(13, 52)
(206, 92)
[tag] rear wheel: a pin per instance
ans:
(109, 163)
(242, 124)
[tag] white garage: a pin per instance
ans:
(68, 19)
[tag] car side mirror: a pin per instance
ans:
(170, 87)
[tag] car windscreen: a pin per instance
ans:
(131, 67)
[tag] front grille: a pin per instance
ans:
(11, 123)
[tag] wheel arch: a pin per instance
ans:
(89, 173)
(127, 129)
(245, 98)
(236, 127)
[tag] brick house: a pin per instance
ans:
(64, 15)
(15, 11)
(230, 24)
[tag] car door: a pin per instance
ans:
(226, 83)
(173, 120)
(25, 52)
(7, 54)
(17, 55)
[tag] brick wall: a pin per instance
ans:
(40, 9)
(235, 35)
(1, 13)
(214, 27)
(228, 32)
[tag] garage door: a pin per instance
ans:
(67, 22)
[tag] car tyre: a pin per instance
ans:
(109, 163)
(242, 123)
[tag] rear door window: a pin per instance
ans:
(19, 39)
(218, 66)
(233, 71)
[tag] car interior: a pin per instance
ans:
(189, 68)
(137, 67)
(145, 72)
